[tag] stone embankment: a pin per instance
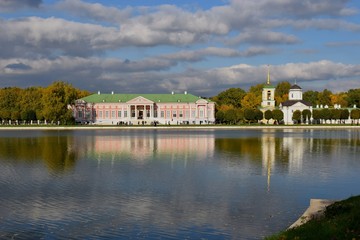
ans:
(316, 209)
(94, 127)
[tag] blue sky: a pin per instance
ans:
(203, 47)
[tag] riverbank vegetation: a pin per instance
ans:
(340, 221)
(234, 106)
(39, 103)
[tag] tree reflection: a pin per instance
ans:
(55, 152)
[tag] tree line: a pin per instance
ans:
(39, 103)
(233, 106)
(236, 106)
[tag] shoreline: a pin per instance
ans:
(315, 210)
(173, 127)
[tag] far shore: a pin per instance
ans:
(182, 127)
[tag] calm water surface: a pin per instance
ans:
(169, 184)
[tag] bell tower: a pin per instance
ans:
(268, 93)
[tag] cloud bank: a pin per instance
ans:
(100, 46)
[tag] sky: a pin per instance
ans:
(199, 46)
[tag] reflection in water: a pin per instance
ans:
(55, 151)
(145, 147)
(169, 185)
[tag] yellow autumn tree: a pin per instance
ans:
(251, 101)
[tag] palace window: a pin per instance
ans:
(125, 114)
(167, 114)
(181, 114)
(174, 114)
(106, 114)
(193, 113)
(100, 114)
(201, 112)
(119, 114)
(162, 114)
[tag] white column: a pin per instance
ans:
(128, 109)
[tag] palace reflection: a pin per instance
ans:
(145, 147)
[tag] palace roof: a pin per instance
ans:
(163, 98)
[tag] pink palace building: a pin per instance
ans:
(144, 109)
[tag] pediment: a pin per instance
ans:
(201, 101)
(140, 100)
(299, 104)
(79, 101)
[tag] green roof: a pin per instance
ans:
(268, 86)
(115, 98)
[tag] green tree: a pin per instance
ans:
(220, 116)
(249, 115)
(268, 115)
(317, 115)
(257, 90)
(311, 97)
(297, 116)
(56, 99)
(259, 115)
(355, 115)
(344, 114)
(31, 104)
(230, 116)
(324, 97)
(306, 113)
(231, 96)
(335, 114)
(9, 103)
(278, 115)
(282, 92)
(239, 115)
(325, 114)
(353, 97)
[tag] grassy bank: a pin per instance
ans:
(340, 221)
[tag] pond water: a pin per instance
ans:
(169, 184)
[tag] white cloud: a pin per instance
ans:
(264, 37)
(298, 9)
(46, 48)
(12, 5)
(144, 76)
(38, 36)
(95, 11)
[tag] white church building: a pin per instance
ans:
(294, 103)
(288, 107)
